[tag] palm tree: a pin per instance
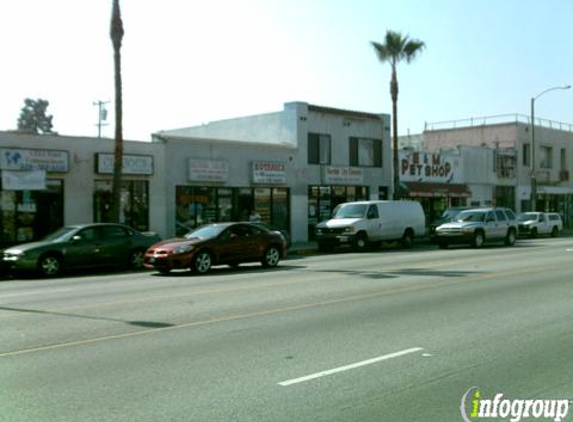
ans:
(116, 33)
(395, 49)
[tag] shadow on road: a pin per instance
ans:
(421, 272)
(144, 324)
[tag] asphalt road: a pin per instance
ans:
(389, 335)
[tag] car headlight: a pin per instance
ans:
(182, 249)
(350, 230)
(468, 230)
(318, 231)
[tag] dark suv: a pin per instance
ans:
(477, 226)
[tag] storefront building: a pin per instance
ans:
(48, 181)
(289, 168)
(509, 139)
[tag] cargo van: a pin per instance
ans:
(365, 223)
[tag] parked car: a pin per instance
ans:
(363, 223)
(535, 223)
(217, 244)
(81, 246)
(477, 226)
(283, 232)
(447, 216)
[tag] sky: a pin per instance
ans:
(188, 62)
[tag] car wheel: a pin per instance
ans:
(202, 262)
(361, 242)
(325, 247)
(554, 231)
(510, 238)
(49, 265)
(407, 240)
(272, 257)
(136, 259)
(478, 240)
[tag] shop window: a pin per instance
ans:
(526, 155)
(262, 205)
(134, 203)
(318, 148)
(31, 215)
(280, 210)
(365, 152)
(546, 159)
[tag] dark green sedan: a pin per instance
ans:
(81, 246)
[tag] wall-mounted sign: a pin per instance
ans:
(201, 170)
(23, 180)
(34, 159)
(427, 167)
(269, 172)
(343, 175)
(132, 164)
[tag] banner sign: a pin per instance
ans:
(208, 170)
(427, 167)
(23, 180)
(267, 172)
(344, 175)
(34, 159)
(132, 164)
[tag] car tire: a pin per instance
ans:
(325, 247)
(136, 259)
(361, 242)
(407, 240)
(49, 265)
(554, 231)
(510, 238)
(478, 240)
(272, 257)
(202, 262)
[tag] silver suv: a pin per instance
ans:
(477, 226)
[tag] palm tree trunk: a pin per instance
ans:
(116, 36)
(395, 151)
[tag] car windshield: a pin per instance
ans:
(205, 232)
(350, 211)
(470, 216)
(527, 216)
(449, 214)
(61, 235)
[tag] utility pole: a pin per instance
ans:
(102, 115)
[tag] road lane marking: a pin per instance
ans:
(350, 366)
(274, 311)
(34, 292)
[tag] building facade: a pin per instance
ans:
(48, 181)
(509, 140)
(290, 168)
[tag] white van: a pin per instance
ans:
(363, 223)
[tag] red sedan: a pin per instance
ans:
(217, 244)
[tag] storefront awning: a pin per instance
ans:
(437, 190)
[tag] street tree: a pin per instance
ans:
(34, 117)
(396, 48)
(116, 34)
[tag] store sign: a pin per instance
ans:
(268, 172)
(208, 170)
(343, 175)
(24, 180)
(132, 164)
(427, 167)
(34, 159)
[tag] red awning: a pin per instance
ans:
(437, 190)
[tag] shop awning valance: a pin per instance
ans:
(437, 190)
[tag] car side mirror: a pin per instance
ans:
(76, 238)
